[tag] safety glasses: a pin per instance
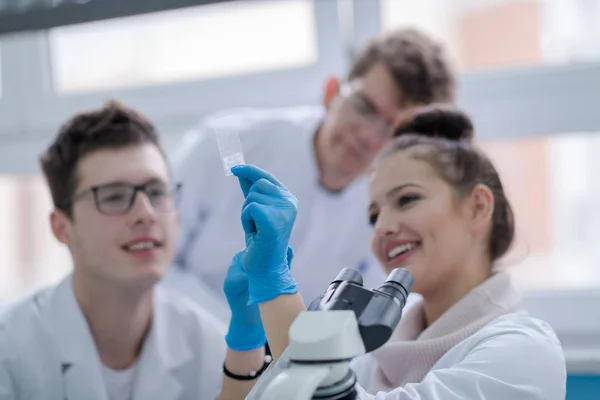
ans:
(359, 107)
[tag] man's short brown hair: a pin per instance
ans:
(113, 126)
(416, 62)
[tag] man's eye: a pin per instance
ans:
(364, 107)
(115, 197)
(157, 192)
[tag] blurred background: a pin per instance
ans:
(529, 75)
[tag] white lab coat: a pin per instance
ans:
(331, 230)
(513, 357)
(47, 351)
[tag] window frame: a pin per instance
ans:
(37, 111)
(44, 16)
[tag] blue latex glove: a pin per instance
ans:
(245, 327)
(268, 216)
(246, 330)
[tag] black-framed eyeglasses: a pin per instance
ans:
(118, 198)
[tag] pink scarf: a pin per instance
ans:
(413, 349)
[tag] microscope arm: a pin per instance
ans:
(316, 336)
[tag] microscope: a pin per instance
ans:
(346, 321)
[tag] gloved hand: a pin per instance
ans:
(246, 330)
(245, 327)
(268, 216)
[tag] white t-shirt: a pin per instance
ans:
(119, 383)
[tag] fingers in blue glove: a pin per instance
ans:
(264, 193)
(252, 214)
(236, 280)
(260, 193)
(249, 174)
(245, 326)
(267, 187)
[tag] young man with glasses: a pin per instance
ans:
(106, 331)
(321, 153)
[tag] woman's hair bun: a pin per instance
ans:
(436, 121)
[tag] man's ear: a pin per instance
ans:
(61, 227)
(481, 203)
(331, 91)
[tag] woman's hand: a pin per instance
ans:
(246, 330)
(245, 327)
(268, 216)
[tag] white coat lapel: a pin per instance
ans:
(79, 360)
(83, 381)
(162, 363)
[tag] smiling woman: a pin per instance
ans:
(438, 205)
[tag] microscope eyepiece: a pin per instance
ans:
(398, 284)
(345, 276)
(349, 275)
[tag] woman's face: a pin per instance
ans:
(419, 222)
